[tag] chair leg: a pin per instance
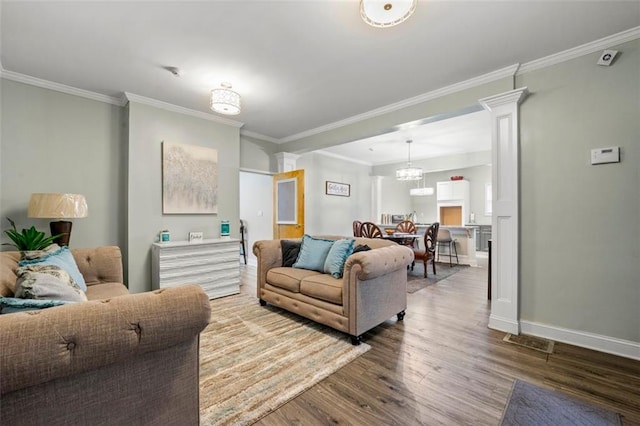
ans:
(425, 267)
(433, 262)
(456, 252)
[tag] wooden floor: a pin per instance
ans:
(442, 365)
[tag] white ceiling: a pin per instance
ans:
(298, 65)
(457, 135)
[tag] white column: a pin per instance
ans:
(376, 198)
(286, 161)
(503, 109)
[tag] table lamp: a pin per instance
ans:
(58, 206)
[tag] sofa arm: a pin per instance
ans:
(378, 262)
(40, 346)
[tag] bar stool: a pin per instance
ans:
(444, 239)
(243, 248)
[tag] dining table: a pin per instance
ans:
(401, 237)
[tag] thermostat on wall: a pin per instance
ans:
(605, 155)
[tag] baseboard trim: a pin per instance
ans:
(503, 324)
(597, 342)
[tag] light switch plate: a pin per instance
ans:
(605, 155)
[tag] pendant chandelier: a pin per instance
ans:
(225, 100)
(421, 192)
(409, 173)
(386, 13)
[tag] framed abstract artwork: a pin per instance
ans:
(189, 179)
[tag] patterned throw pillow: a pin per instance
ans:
(58, 256)
(10, 305)
(47, 282)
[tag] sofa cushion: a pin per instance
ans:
(288, 278)
(323, 287)
(313, 253)
(58, 256)
(106, 291)
(340, 250)
(290, 251)
(47, 282)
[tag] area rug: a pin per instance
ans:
(416, 280)
(253, 359)
(532, 405)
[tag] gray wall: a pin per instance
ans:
(256, 154)
(148, 128)
(580, 224)
(55, 142)
(330, 214)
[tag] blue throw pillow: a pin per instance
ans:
(313, 253)
(9, 305)
(57, 256)
(334, 264)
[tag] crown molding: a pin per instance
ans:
(255, 135)
(131, 97)
(509, 71)
(63, 88)
(342, 157)
(585, 49)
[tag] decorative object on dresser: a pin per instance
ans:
(213, 264)
(58, 206)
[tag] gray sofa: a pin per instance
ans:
(372, 290)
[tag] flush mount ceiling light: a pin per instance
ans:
(386, 13)
(409, 173)
(225, 100)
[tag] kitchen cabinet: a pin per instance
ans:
(453, 190)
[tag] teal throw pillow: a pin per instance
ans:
(334, 264)
(57, 256)
(10, 305)
(313, 253)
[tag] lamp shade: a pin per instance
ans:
(57, 206)
(225, 100)
(386, 13)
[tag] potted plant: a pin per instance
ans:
(29, 239)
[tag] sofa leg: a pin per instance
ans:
(263, 303)
(401, 315)
(355, 340)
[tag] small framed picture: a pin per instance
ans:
(195, 237)
(336, 188)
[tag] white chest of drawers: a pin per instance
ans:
(213, 264)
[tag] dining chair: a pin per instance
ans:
(445, 240)
(429, 253)
(356, 228)
(243, 248)
(370, 230)
(408, 227)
